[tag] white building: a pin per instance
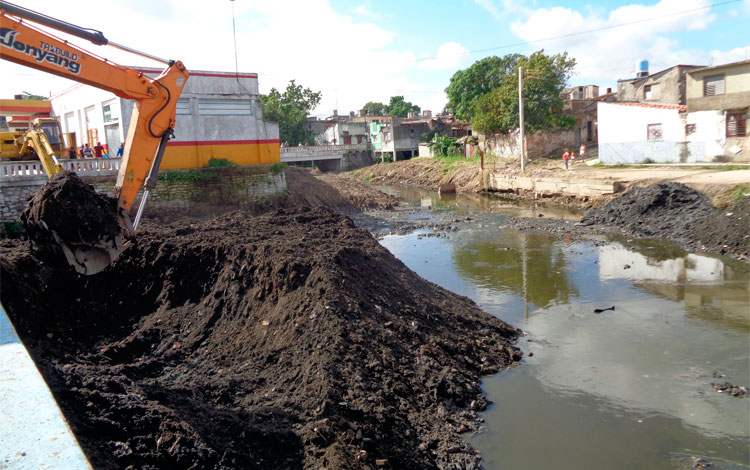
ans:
(659, 133)
(219, 115)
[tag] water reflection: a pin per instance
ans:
(622, 389)
(529, 264)
(710, 289)
(478, 202)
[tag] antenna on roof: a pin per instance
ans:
(234, 33)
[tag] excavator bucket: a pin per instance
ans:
(90, 258)
(66, 219)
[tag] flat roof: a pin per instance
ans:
(731, 64)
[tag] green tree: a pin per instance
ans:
(401, 108)
(31, 96)
(290, 110)
(496, 109)
(482, 77)
(376, 109)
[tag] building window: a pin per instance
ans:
(411, 133)
(647, 92)
(689, 129)
(226, 108)
(736, 125)
(183, 107)
(713, 85)
(107, 111)
(654, 132)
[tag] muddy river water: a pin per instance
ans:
(629, 388)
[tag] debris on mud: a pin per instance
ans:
(287, 340)
(729, 389)
(73, 210)
(728, 230)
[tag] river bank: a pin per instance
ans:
(720, 184)
(707, 230)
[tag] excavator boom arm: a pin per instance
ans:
(155, 99)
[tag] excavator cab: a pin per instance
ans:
(52, 130)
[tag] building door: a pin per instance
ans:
(589, 130)
(347, 140)
(578, 136)
(89, 115)
(112, 136)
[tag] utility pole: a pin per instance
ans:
(520, 119)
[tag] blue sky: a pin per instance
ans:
(369, 50)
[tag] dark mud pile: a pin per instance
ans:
(72, 209)
(288, 340)
(726, 231)
(663, 210)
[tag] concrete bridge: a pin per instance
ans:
(326, 157)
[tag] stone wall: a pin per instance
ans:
(540, 144)
(181, 189)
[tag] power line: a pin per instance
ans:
(593, 30)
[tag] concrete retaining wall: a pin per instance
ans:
(495, 181)
(233, 187)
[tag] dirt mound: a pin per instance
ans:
(304, 189)
(357, 192)
(664, 210)
(428, 173)
(726, 232)
(72, 209)
(288, 340)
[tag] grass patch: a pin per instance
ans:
(219, 163)
(739, 191)
(617, 165)
(277, 168)
(725, 168)
(12, 229)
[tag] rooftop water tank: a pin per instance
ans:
(641, 69)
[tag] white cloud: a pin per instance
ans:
(725, 57)
(502, 8)
(613, 51)
(449, 56)
(361, 10)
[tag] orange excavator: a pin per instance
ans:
(151, 125)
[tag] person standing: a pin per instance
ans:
(120, 150)
(98, 150)
(87, 151)
(566, 157)
(582, 152)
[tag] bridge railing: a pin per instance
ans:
(33, 168)
(318, 152)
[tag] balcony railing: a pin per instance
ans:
(85, 167)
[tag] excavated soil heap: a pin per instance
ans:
(288, 340)
(726, 231)
(72, 209)
(664, 210)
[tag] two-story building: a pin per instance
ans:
(711, 127)
(219, 115)
(664, 87)
(718, 106)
